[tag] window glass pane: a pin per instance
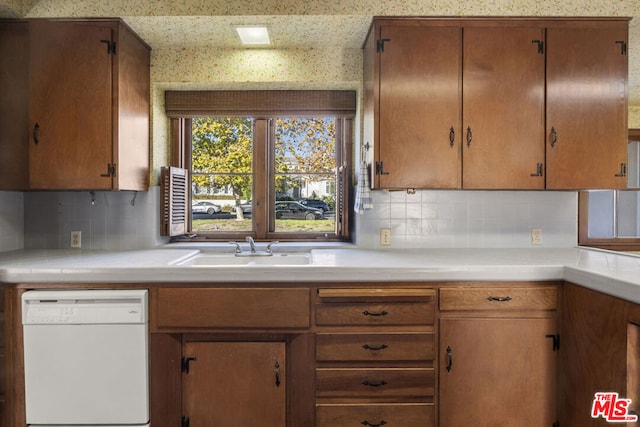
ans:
(628, 214)
(305, 174)
(221, 174)
(601, 214)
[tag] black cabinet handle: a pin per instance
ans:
(36, 128)
(375, 348)
(276, 371)
(367, 423)
(452, 136)
(374, 384)
(554, 137)
(449, 358)
(380, 313)
(469, 136)
(499, 299)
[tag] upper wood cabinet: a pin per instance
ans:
(413, 106)
(587, 106)
(469, 103)
(503, 108)
(87, 107)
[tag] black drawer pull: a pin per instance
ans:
(380, 313)
(375, 384)
(367, 423)
(499, 299)
(375, 348)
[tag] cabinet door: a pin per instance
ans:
(593, 356)
(497, 372)
(586, 107)
(235, 384)
(14, 117)
(503, 108)
(419, 107)
(70, 106)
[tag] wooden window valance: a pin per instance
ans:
(260, 103)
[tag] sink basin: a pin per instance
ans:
(212, 260)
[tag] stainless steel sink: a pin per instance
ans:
(220, 259)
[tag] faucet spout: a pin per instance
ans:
(252, 244)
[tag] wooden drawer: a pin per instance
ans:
(371, 347)
(403, 313)
(233, 308)
(499, 298)
(391, 414)
(383, 382)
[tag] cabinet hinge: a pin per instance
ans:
(111, 46)
(556, 341)
(185, 363)
(540, 44)
(185, 421)
(380, 169)
(623, 47)
(380, 45)
(623, 170)
(111, 170)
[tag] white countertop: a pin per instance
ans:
(612, 273)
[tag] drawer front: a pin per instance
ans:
(375, 347)
(499, 298)
(375, 314)
(383, 382)
(233, 308)
(391, 414)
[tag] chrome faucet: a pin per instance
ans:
(252, 244)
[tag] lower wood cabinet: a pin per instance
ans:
(375, 357)
(595, 353)
(508, 354)
(233, 384)
(375, 415)
(498, 356)
(231, 357)
(497, 372)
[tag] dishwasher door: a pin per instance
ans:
(86, 357)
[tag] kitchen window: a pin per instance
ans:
(610, 219)
(274, 165)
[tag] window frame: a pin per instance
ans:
(263, 196)
(610, 243)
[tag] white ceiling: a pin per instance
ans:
(339, 24)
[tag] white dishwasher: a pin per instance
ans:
(86, 358)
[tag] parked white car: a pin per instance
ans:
(205, 206)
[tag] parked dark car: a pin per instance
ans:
(205, 206)
(294, 210)
(315, 203)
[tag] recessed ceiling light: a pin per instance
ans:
(253, 34)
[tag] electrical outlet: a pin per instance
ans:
(76, 239)
(536, 236)
(385, 237)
